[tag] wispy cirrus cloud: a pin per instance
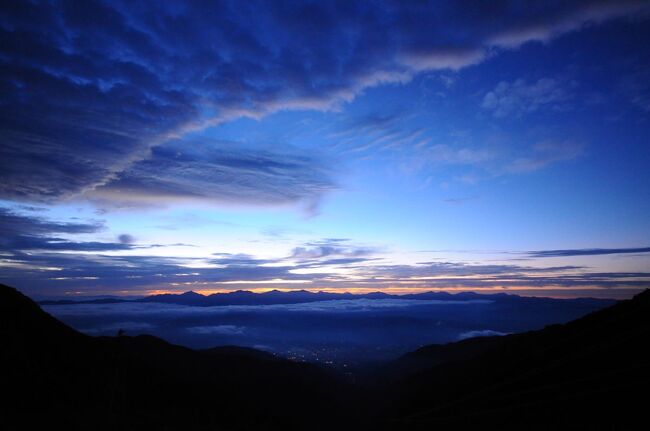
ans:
(330, 248)
(588, 252)
(104, 274)
(542, 155)
(89, 88)
(12, 222)
(22, 233)
(517, 98)
(45, 262)
(28, 233)
(219, 172)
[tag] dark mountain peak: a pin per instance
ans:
(273, 292)
(20, 317)
(275, 296)
(376, 295)
(47, 365)
(188, 298)
(595, 364)
(11, 298)
(584, 372)
(642, 297)
(619, 313)
(236, 292)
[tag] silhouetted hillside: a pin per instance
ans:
(343, 329)
(56, 377)
(592, 373)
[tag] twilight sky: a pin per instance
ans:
(358, 146)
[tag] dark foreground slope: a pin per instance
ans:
(55, 376)
(592, 373)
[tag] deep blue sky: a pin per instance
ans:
(325, 145)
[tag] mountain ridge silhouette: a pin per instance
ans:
(591, 373)
(75, 381)
(247, 297)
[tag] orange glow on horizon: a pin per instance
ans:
(550, 292)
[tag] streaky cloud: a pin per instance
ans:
(220, 172)
(90, 88)
(587, 252)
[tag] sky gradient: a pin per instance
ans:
(352, 146)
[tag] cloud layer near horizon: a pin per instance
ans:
(35, 258)
(339, 330)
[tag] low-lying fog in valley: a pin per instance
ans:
(338, 332)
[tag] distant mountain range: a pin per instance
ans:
(54, 377)
(592, 373)
(245, 297)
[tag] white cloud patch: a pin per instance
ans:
(545, 154)
(517, 98)
(170, 310)
(80, 112)
(480, 333)
(217, 330)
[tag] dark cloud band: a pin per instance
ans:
(89, 88)
(588, 252)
